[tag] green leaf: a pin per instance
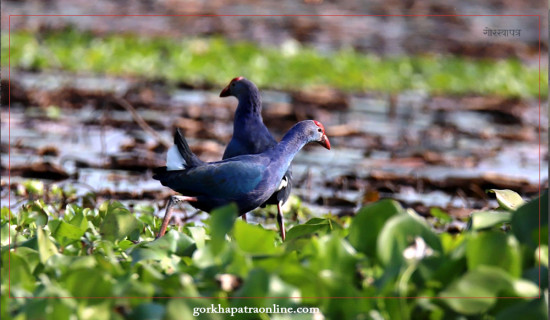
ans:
(399, 233)
(19, 273)
(139, 254)
(255, 285)
(78, 217)
(542, 252)
(101, 311)
(221, 221)
(173, 242)
(199, 235)
(534, 309)
(88, 283)
(31, 257)
(120, 223)
(508, 199)
(488, 219)
(34, 187)
(148, 311)
(369, 221)
(330, 252)
(487, 283)
(441, 215)
(493, 248)
(264, 240)
(525, 222)
(313, 226)
(62, 231)
(46, 248)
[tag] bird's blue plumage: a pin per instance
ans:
(250, 135)
(248, 180)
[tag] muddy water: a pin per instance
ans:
(425, 151)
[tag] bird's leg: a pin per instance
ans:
(244, 217)
(168, 213)
(281, 221)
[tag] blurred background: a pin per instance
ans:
(430, 111)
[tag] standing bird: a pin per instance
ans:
(250, 136)
(248, 180)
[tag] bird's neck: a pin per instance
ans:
(248, 114)
(289, 146)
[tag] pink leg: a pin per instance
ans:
(168, 213)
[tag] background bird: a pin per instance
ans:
(250, 136)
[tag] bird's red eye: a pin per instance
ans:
(320, 125)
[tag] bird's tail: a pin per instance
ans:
(184, 149)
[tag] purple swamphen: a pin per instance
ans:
(247, 180)
(250, 136)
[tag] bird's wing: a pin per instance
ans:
(225, 179)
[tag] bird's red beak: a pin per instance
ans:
(225, 92)
(324, 142)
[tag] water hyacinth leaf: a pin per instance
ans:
(125, 244)
(148, 311)
(101, 311)
(19, 272)
(264, 240)
(109, 206)
(172, 242)
(542, 252)
(525, 222)
(488, 219)
(34, 187)
(199, 236)
(507, 199)
(6, 232)
(64, 232)
(78, 217)
(493, 248)
(398, 233)
(366, 225)
(49, 309)
(221, 221)
(256, 284)
(488, 283)
(120, 223)
(441, 215)
(38, 213)
(534, 309)
(139, 254)
(6, 214)
(88, 283)
(313, 226)
(46, 248)
(485, 282)
(31, 257)
(279, 291)
(189, 309)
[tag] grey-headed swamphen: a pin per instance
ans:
(247, 180)
(250, 136)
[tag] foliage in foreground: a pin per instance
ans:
(214, 61)
(383, 251)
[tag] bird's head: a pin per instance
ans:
(320, 136)
(237, 87)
